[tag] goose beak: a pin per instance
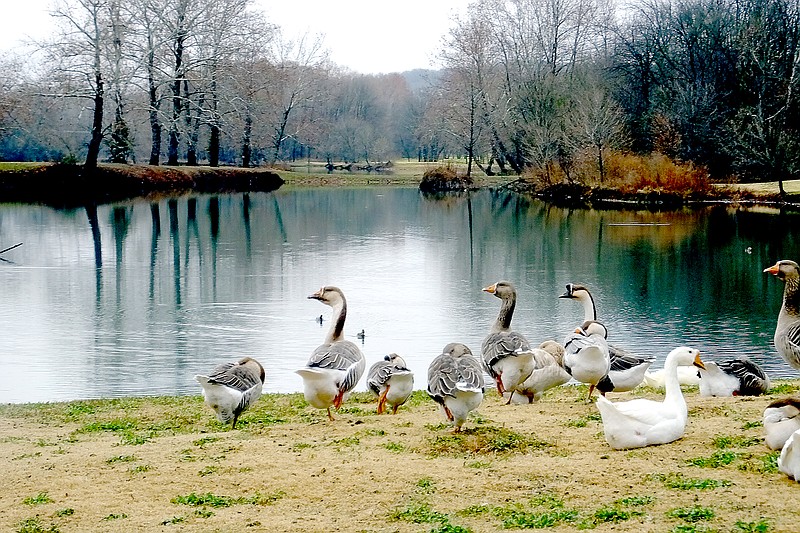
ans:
(773, 269)
(491, 289)
(567, 294)
(698, 362)
(316, 296)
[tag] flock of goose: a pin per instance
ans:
(522, 373)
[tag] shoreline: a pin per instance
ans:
(67, 186)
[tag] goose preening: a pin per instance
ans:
(627, 370)
(789, 461)
(641, 422)
(787, 331)
(586, 355)
(391, 381)
(733, 377)
(507, 355)
(232, 387)
(781, 419)
(335, 367)
(548, 372)
(455, 382)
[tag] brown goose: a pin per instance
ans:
(231, 388)
(507, 355)
(455, 382)
(548, 372)
(787, 332)
(391, 381)
(335, 367)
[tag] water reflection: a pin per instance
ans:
(115, 301)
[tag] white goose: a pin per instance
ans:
(627, 370)
(507, 355)
(781, 419)
(231, 388)
(789, 461)
(733, 377)
(548, 373)
(455, 382)
(787, 331)
(391, 381)
(335, 367)
(586, 355)
(641, 422)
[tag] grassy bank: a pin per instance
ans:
(164, 464)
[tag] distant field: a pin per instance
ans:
(768, 187)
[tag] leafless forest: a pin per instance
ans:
(524, 85)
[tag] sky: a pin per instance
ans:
(365, 36)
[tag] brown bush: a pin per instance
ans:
(444, 178)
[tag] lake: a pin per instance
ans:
(133, 299)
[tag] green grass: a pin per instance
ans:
(692, 514)
(679, 482)
(35, 525)
(739, 441)
(483, 440)
(715, 460)
(213, 500)
(759, 526)
(121, 459)
(418, 513)
(39, 499)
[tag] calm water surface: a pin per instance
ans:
(133, 299)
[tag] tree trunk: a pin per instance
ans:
(93, 152)
(155, 123)
(248, 130)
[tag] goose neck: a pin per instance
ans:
(589, 309)
(672, 386)
(503, 321)
(791, 299)
(336, 332)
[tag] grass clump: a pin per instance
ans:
(759, 526)
(692, 514)
(679, 482)
(39, 499)
(213, 500)
(34, 525)
(484, 440)
(716, 460)
(418, 513)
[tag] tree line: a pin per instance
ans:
(550, 87)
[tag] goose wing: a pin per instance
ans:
(622, 360)
(792, 340)
(500, 345)
(378, 375)
(340, 355)
(752, 377)
(448, 374)
(235, 376)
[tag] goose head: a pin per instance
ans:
(501, 289)
(784, 269)
(575, 291)
(456, 349)
(329, 295)
(395, 360)
(686, 356)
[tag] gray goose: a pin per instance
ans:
(586, 354)
(548, 372)
(231, 388)
(627, 370)
(507, 355)
(391, 381)
(787, 331)
(455, 382)
(739, 376)
(336, 366)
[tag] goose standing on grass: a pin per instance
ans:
(391, 381)
(781, 419)
(641, 422)
(335, 367)
(787, 332)
(734, 377)
(507, 355)
(455, 382)
(627, 371)
(789, 461)
(586, 354)
(548, 372)
(231, 388)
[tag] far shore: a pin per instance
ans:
(67, 185)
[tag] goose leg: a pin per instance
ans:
(382, 401)
(591, 389)
(510, 396)
(330, 415)
(448, 413)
